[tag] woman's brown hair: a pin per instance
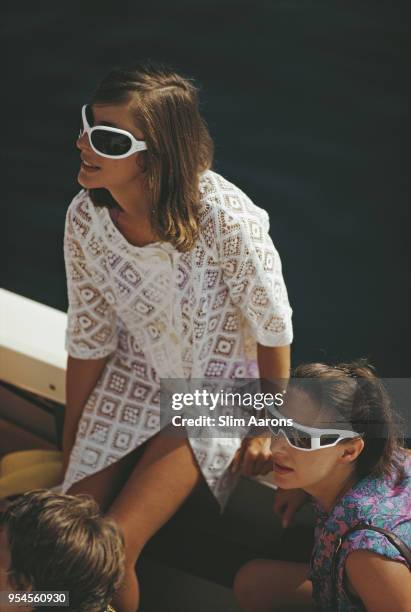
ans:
(63, 543)
(355, 392)
(179, 147)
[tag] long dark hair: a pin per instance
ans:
(165, 106)
(354, 390)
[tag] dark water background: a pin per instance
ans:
(306, 102)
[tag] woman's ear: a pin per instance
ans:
(351, 450)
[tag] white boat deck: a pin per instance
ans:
(32, 353)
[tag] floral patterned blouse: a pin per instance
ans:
(378, 501)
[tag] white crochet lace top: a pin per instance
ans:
(196, 314)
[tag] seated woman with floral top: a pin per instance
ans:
(343, 451)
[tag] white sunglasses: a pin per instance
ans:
(306, 438)
(109, 141)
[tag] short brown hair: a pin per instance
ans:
(179, 147)
(63, 543)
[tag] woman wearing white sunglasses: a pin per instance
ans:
(171, 273)
(344, 451)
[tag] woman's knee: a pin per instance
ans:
(130, 566)
(131, 557)
(127, 596)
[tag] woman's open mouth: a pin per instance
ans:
(281, 469)
(88, 167)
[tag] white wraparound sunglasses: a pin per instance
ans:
(108, 141)
(306, 438)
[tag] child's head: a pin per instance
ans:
(55, 542)
(347, 397)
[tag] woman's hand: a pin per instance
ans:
(254, 456)
(287, 502)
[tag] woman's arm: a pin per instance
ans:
(81, 377)
(273, 362)
(252, 272)
(381, 583)
(254, 456)
(91, 333)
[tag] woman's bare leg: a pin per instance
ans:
(105, 485)
(263, 585)
(141, 492)
(163, 478)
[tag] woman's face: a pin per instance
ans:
(302, 469)
(112, 174)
